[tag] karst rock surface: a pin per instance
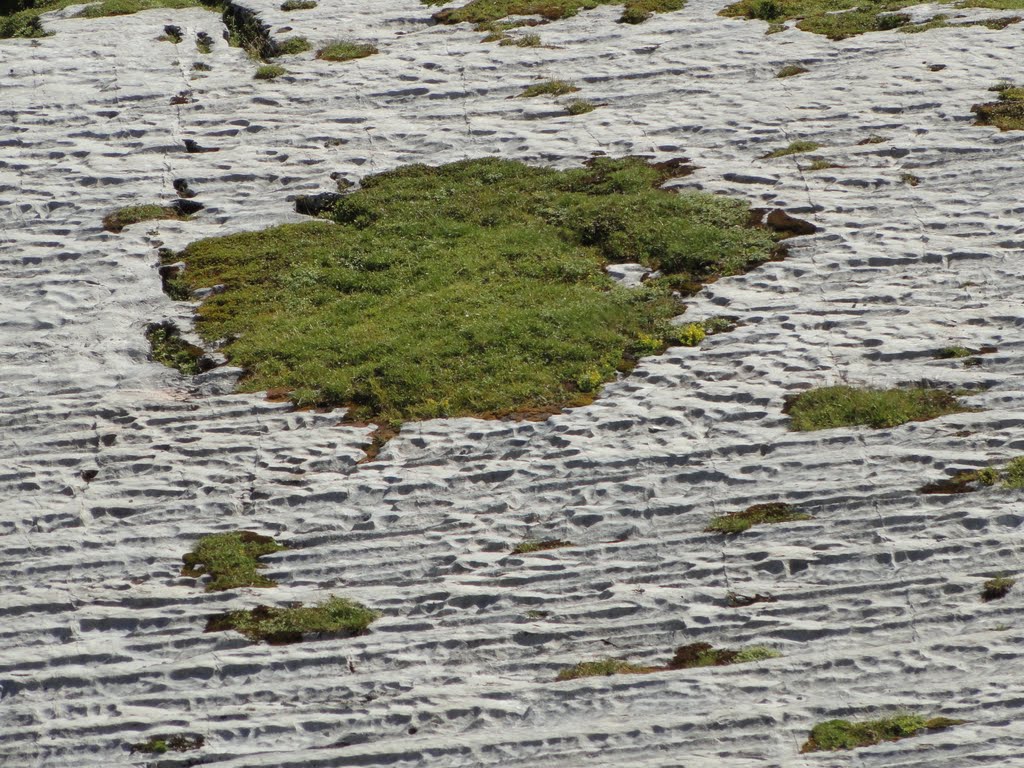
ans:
(113, 466)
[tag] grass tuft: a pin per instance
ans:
(579, 107)
(1006, 114)
(758, 514)
(794, 148)
(532, 545)
(230, 560)
(601, 668)
(476, 288)
(281, 626)
(269, 72)
(168, 348)
(997, 588)
(293, 46)
(548, 88)
(831, 407)
(345, 50)
(696, 655)
(791, 70)
(159, 745)
(298, 5)
(834, 735)
(133, 214)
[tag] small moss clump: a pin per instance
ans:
(834, 735)
(794, 148)
(579, 107)
(758, 514)
(954, 352)
(831, 407)
(476, 288)
(1006, 114)
(997, 588)
(280, 626)
(484, 11)
(820, 165)
(529, 40)
(298, 5)
(293, 46)
(168, 348)
(345, 50)
(178, 742)
(791, 70)
(230, 560)
(533, 545)
(840, 19)
(697, 655)
(602, 668)
(133, 214)
(270, 72)
(548, 88)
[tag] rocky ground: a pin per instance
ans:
(113, 466)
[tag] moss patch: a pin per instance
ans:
(298, 5)
(791, 70)
(831, 407)
(548, 88)
(686, 657)
(840, 19)
(579, 107)
(532, 545)
(133, 214)
(834, 735)
(794, 148)
(1010, 476)
(20, 18)
(345, 50)
(997, 588)
(281, 626)
(483, 11)
(168, 348)
(231, 560)
(177, 742)
(269, 72)
(293, 46)
(1006, 114)
(758, 514)
(472, 289)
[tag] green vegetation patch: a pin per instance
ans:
(168, 348)
(834, 735)
(20, 18)
(579, 107)
(840, 19)
(178, 742)
(231, 560)
(704, 655)
(1006, 114)
(292, 46)
(269, 72)
(471, 289)
(133, 214)
(484, 11)
(345, 50)
(1010, 476)
(758, 514)
(997, 588)
(791, 70)
(298, 5)
(794, 148)
(831, 407)
(533, 545)
(548, 88)
(686, 657)
(281, 626)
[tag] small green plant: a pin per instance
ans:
(691, 334)
(231, 560)
(758, 514)
(954, 352)
(1006, 114)
(529, 40)
(178, 742)
(834, 735)
(997, 588)
(293, 46)
(172, 34)
(548, 88)
(794, 148)
(204, 43)
(280, 626)
(133, 214)
(579, 107)
(298, 5)
(842, 406)
(533, 545)
(873, 139)
(791, 70)
(601, 668)
(489, 11)
(697, 655)
(345, 50)
(269, 72)
(168, 348)
(820, 165)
